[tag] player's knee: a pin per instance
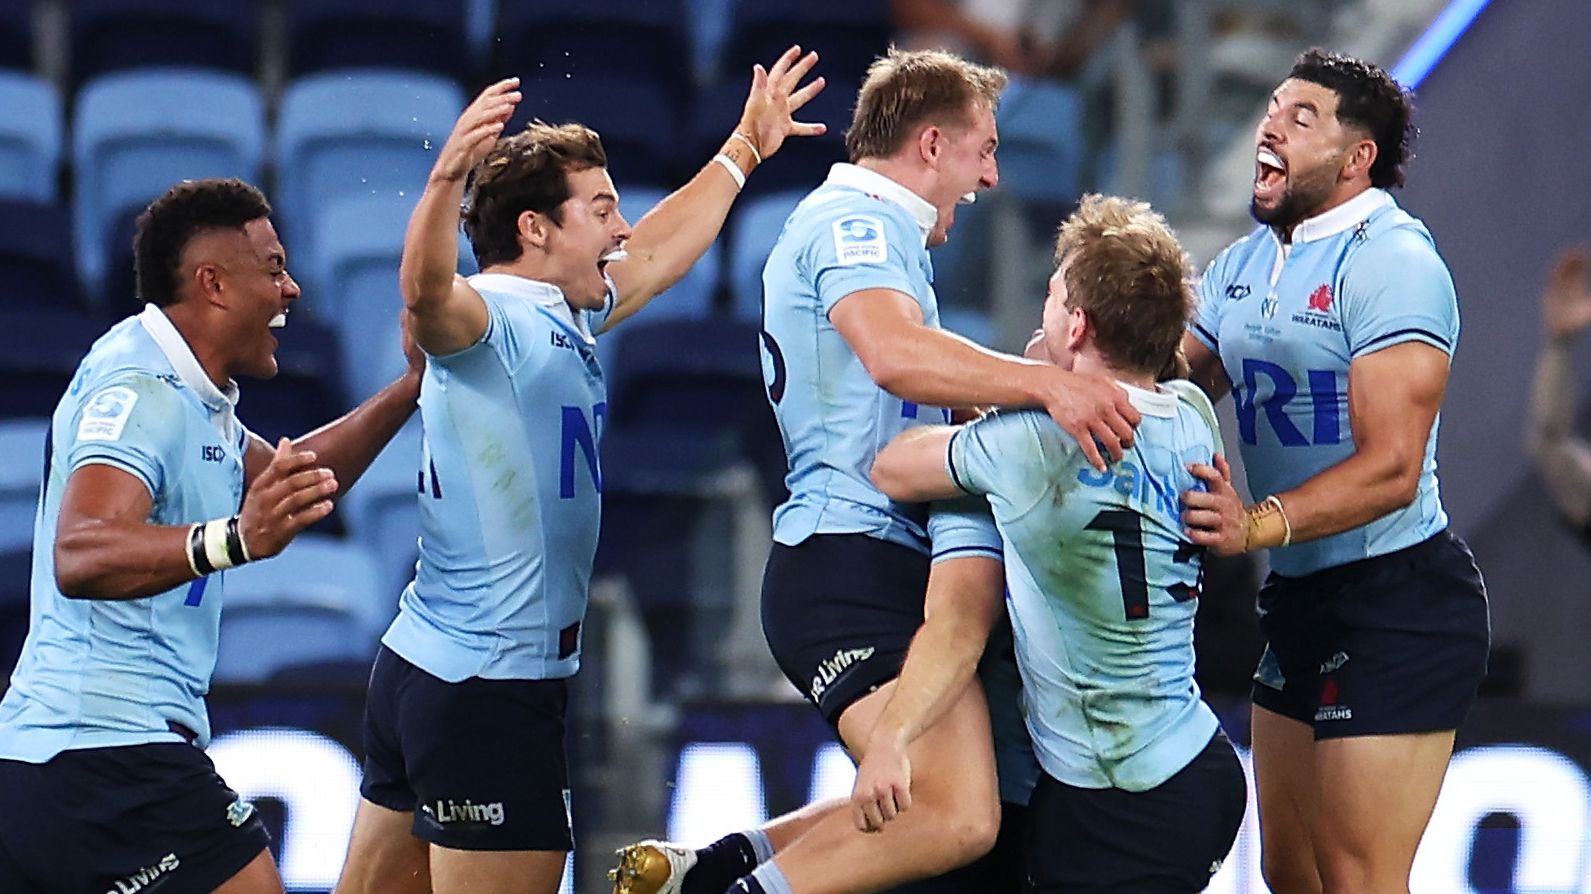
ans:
(971, 832)
(1290, 874)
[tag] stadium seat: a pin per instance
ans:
(30, 137)
(755, 228)
(421, 34)
(113, 35)
(16, 36)
(847, 34)
(16, 567)
(639, 40)
(382, 512)
(692, 296)
(36, 255)
(637, 119)
(306, 391)
(319, 572)
(261, 641)
(22, 444)
(355, 133)
(136, 133)
(1041, 142)
(40, 348)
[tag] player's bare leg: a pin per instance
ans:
(1375, 796)
(257, 877)
(953, 820)
(384, 855)
(1284, 776)
(496, 872)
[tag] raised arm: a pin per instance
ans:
(449, 315)
(1563, 458)
(673, 235)
(931, 366)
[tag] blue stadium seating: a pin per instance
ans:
(136, 133)
(641, 40)
(847, 34)
(36, 256)
(261, 641)
(30, 137)
(16, 36)
(320, 572)
(639, 120)
(382, 512)
(39, 351)
(355, 133)
(1041, 142)
(112, 35)
(22, 444)
(802, 162)
(756, 226)
(15, 570)
(306, 391)
(419, 34)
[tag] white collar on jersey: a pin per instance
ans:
(1150, 403)
(186, 365)
(1342, 217)
(544, 294)
(874, 183)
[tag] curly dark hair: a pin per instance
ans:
(1369, 99)
(528, 171)
(182, 212)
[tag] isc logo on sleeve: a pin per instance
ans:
(859, 239)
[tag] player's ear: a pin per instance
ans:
(1076, 328)
(207, 282)
(929, 143)
(1361, 158)
(532, 228)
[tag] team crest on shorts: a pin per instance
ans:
(238, 812)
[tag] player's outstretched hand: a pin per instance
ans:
(775, 97)
(1566, 305)
(289, 496)
(1215, 516)
(883, 787)
(477, 130)
(1090, 409)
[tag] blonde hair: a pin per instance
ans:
(905, 89)
(1126, 270)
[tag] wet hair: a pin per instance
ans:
(1370, 100)
(1126, 270)
(528, 171)
(906, 89)
(187, 210)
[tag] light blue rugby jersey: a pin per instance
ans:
(510, 490)
(1287, 320)
(858, 230)
(1101, 586)
(98, 673)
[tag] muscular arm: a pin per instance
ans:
(349, 444)
(960, 608)
(1393, 398)
(911, 468)
(105, 547)
(1204, 368)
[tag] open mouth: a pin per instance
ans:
(967, 199)
(618, 254)
(1270, 174)
(278, 321)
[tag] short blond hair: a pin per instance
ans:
(905, 89)
(1130, 275)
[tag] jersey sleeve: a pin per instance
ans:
(962, 528)
(1009, 457)
(1397, 289)
(508, 334)
(1206, 325)
(134, 423)
(852, 251)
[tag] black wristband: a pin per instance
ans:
(234, 543)
(196, 556)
